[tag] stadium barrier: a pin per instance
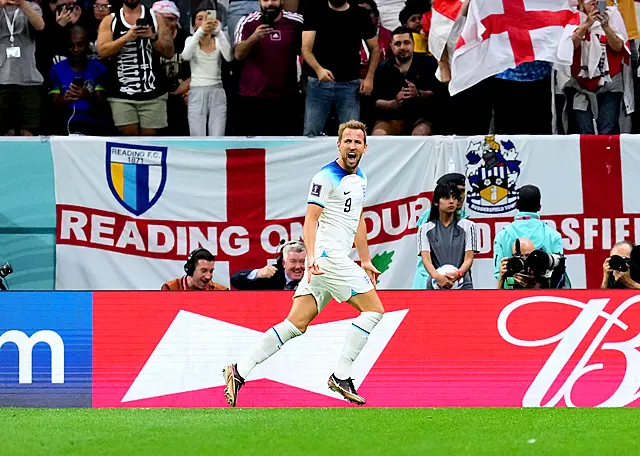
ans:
(151, 200)
(431, 349)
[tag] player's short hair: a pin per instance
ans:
(293, 246)
(352, 125)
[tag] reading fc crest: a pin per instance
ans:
(136, 174)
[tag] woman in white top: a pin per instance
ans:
(207, 100)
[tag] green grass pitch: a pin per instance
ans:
(288, 432)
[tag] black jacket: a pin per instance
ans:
(239, 281)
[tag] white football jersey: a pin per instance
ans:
(341, 195)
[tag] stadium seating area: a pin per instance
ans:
(402, 96)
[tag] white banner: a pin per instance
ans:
(129, 212)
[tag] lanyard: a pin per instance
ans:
(10, 25)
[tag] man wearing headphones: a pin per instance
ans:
(285, 275)
(199, 271)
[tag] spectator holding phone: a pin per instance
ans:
(53, 42)
(136, 38)
(405, 90)
(20, 80)
(204, 51)
(268, 42)
(77, 88)
(597, 86)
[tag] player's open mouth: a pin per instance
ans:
(351, 155)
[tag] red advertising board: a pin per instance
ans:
(431, 349)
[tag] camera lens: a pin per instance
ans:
(515, 265)
(618, 263)
(540, 261)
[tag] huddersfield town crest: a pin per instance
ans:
(493, 170)
(136, 175)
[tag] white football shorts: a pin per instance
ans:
(342, 279)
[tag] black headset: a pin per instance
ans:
(190, 265)
(281, 248)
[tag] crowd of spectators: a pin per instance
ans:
(276, 68)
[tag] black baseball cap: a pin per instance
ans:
(529, 198)
(454, 178)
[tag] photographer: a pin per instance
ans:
(619, 268)
(532, 268)
(526, 224)
(285, 275)
(5, 270)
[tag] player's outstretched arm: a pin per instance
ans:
(363, 250)
(309, 232)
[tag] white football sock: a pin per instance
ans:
(270, 343)
(356, 339)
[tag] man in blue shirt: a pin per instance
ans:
(77, 88)
(527, 224)
(421, 277)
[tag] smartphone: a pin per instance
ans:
(141, 22)
(602, 6)
(78, 81)
(268, 18)
(212, 15)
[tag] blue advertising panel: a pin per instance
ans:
(45, 349)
